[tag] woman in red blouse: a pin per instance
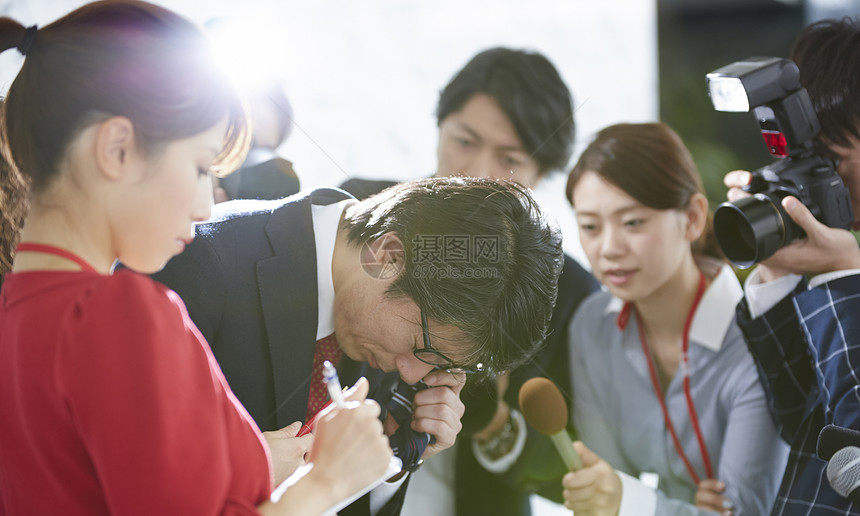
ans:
(111, 401)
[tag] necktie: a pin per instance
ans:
(326, 349)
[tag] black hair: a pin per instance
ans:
(479, 255)
(828, 55)
(529, 90)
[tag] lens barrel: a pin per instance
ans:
(751, 229)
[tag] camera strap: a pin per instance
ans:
(685, 368)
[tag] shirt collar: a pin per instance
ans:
(326, 220)
(715, 312)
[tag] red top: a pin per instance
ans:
(111, 402)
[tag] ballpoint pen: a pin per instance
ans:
(334, 392)
(333, 384)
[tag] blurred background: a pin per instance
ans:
(362, 78)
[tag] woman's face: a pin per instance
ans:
(173, 192)
(634, 250)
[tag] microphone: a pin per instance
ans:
(839, 446)
(843, 473)
(833, 438)
(544, 409)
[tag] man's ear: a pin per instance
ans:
(697, 217)
(385, 253)
(115, 145)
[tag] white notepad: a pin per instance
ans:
(394, 467)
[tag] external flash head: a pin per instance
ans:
(752, 82)
(770, 87)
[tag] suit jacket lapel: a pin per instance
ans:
(288, 296)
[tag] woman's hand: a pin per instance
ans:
(287, 450)
(349, 453)
(710, 497)
(350, 450)
(594, 490)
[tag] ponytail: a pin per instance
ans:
(14, 203)
(14, 186)
(12, 34)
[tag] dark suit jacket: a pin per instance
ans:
(249, 281)
(539, 469)
(263, 175)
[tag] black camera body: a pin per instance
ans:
(753, 228)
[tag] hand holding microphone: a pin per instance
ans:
(595, 489)
(592, 486)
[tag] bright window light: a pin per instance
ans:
(245, 50)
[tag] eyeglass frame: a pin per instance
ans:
(449, 364)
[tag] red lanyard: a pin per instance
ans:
(685, 368)
(49, 249)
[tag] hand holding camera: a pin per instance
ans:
(824, 249)
(752, 228)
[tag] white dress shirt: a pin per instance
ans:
(325, 221)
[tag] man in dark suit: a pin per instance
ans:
(429, 279)
(507, 114)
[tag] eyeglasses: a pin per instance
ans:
(429, 355)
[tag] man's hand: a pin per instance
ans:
(438, 410)
(594, 490)
(824, 249)
(710, 497)
(287, 450)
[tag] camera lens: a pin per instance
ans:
(751, 229)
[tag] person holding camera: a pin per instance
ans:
(805, 335)
(664, 386)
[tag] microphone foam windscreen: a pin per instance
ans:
(543, 406)
(843, 470)
(833, 438)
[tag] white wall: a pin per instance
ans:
(363, 76)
